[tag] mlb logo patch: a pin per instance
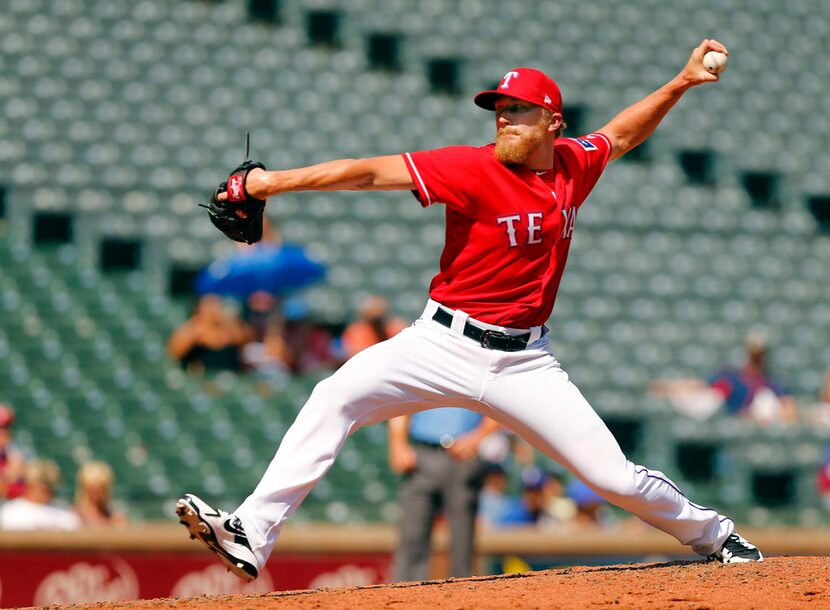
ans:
(586, 144)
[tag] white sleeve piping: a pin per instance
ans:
(420, 180)
(604, 137)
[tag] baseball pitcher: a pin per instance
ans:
(481, 343)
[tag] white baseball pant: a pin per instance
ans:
(429, 365)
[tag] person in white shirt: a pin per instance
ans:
(36, 509)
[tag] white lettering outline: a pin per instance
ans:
(568, 222)
(418, 176)
(511, 229)
(532, 228)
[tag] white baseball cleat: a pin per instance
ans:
(221, 532)
(736, 550)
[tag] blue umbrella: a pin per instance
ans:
(277, 269)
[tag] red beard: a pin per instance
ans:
(516, 151)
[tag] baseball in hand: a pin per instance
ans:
(715, 62)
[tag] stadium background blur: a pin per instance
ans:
(119, 116)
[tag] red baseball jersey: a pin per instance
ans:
(508, 227)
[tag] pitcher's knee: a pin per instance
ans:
(616, 489)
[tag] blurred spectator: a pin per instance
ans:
(751, 390)
(261, 311)
(441, 470)
(823, 480)
(589, 505)
(210, 339)
(493, 499)
(268, 354)
(529, 507)
(93, 495)
(748, 390)
(309, 344)
(373, 325)
(35, 509)
(12, 461)
(558, 508)
(546, 502)
(543, 500)
(286, 340)
(269, 358)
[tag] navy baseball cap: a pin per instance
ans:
(526, 84)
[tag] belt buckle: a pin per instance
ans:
(487, 334)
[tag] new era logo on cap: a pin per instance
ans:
(525, 84)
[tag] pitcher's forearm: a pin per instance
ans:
(487, 427)
(635, 124)
(372, 174)
(399, 430)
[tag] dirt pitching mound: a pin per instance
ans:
(778, 582)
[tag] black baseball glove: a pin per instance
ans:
(240, 216)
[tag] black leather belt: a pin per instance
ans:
(491, 339)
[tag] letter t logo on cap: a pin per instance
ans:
(505, 82)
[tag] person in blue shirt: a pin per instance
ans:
(493, 500)
(530, 507)
(436, 452)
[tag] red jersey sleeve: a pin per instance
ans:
(450, 175)
(585, 158)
